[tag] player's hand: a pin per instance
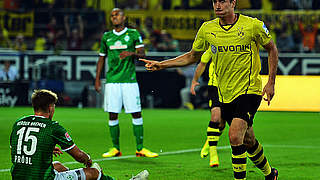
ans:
(57, 152)
(194, 84)
(152, 65)
(269, 91)
(88, 163)
(97, 86)
(125, 54)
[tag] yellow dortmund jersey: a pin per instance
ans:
(235, 52)
(205, 58)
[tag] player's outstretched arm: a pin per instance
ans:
(80, 156)
(97, 84)
(152, 65)
(273, 64)
(197, 74)
(180, 61)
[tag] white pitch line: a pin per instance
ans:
(186, 151)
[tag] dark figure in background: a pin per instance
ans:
(74, 30)
(285, 42)
(256, 4)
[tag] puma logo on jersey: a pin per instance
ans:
(214, 35)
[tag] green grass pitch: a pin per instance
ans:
(291, 143)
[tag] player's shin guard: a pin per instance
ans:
(256, 155)
(138, 132)
(239, 162)
(114, 133)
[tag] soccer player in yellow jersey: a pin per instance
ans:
(234, 40)
(216, 124)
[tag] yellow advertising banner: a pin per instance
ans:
(181, 25)
(16, 23)
(294, 93)
(184, 24)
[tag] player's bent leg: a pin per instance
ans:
(58, 166)
(237, 132)
(213, 135)
(95, 174)
(256, 155)
(92, 173)
(101, 176)
(75, 174)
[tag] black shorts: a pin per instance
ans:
(213, 97)
(244, 107)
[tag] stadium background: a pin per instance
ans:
(33, 38)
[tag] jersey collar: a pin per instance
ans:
(39, 116)
(121, 32)
(230, 25)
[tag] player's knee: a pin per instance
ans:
(215, 115)
(58, 166)
(91, 173)
(235, 139)
(113, 116)
(215, 118)
(56, 163)
(136, 115)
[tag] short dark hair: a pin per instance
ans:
(118, 9)
(41, 99)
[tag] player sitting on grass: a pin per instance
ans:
(33, 140)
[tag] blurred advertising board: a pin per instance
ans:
(16, 23)
(81, 65)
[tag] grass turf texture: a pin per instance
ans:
(291, 143)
